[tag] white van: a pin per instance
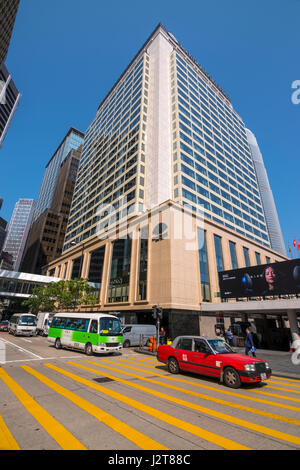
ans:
(43, 323)
(132, 334)
(22, 324)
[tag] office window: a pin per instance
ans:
(203, 265)
(232, 247)
(257, 257)
(118, 289)
(143, 265)
(76, 269)
(268, 259)
(219, 254)
(96, 268)
(246, 257)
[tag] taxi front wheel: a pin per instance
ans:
(231, 378)
(173, 366)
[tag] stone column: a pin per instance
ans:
(292, 316)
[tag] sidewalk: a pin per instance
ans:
(280, 361)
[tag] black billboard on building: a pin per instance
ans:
(264, 280)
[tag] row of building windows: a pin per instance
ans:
(120, 266)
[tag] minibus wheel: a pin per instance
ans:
(88, 349)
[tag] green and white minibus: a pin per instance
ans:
(89, 332)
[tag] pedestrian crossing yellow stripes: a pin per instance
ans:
(283, 383)
(276, 395)
(61, 435)
(283, 389)
(205, 397)
(219, 440)
(158, 384)
(231, 419)
(219, 390)
(286, 379)
(141, 440)
(7, 441)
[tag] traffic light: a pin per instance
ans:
(159, 312)
(154, 314)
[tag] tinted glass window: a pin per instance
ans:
(185, 343)
(127, 329)
(201, 346)
(94, 326)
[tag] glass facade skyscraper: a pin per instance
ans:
(72, 140)
(9, 100)
(18, 230)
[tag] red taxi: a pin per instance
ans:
(3, 325)
(214, 358)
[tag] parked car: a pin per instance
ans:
(132, 334)
(214, 358)
(3, 325)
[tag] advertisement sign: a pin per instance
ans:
(264, 280)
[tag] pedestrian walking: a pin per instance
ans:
(249, 344)
(229, 337)
(162, 336)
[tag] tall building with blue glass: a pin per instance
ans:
(72, 140)
(165, 141)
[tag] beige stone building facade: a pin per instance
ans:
(163, 268)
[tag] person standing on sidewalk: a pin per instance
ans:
(249, 345)
(162, 336)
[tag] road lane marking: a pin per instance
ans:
(216, 414)
(205, 397)
(141, 440)
(7, 441)
(42, 359)
(219, 390)
(21, 349)
(220, 441)
(61, 435)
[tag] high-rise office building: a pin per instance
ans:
(3, 225)
(9, 100)
(8, 12)
(270, 211)
(72, 140)
(165, 141)
(18, 230)
(47, 233)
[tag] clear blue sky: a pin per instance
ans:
(65, 55)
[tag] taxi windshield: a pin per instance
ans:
(220, 347)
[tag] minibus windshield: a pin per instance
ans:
(109, 326)
(27, 320)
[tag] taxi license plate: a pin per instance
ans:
(263, 376)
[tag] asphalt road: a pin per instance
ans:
(61, 399)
